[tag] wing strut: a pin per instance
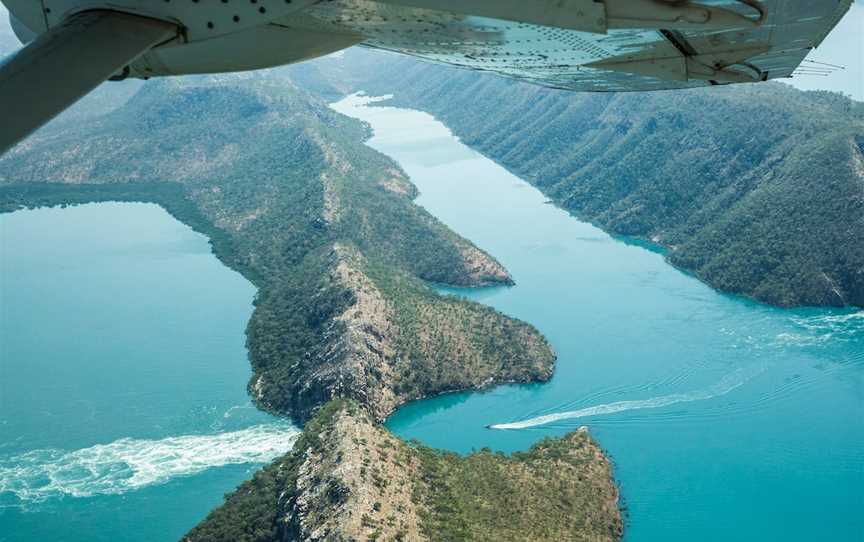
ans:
(62, 65)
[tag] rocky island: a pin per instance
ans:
(349, 479)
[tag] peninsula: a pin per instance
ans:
(345, 315)
(324, 226)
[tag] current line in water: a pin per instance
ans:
(129, 464)
(726, 385)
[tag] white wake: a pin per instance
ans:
(727, 384)
(128, 464)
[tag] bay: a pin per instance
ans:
(123, 369)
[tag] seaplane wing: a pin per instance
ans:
(589, 45)
(584, 45)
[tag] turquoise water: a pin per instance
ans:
(124, 415)
(123, 408)
(726, 419)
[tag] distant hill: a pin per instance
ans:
(757, 189)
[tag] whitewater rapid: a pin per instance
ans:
(128, 464)
(730, 382)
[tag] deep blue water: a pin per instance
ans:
(726, 419)
(123, 405)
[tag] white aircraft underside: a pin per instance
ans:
(582, 45)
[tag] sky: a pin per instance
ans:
(844, 47)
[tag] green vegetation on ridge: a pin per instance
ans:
(278, 180)
(336, 480)
(757, 189)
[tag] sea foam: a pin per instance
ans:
(724, 386)
(129, 464)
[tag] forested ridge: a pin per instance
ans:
(323, 225)
(347, 479)
(756, 189)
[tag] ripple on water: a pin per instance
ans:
(129, 464)
(823, 329)
(726, 385)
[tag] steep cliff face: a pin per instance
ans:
(323, 225)
(394, 341)
(349, 479)
(757, 189)
(359, 483)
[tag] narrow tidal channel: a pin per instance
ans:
(726, 419)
